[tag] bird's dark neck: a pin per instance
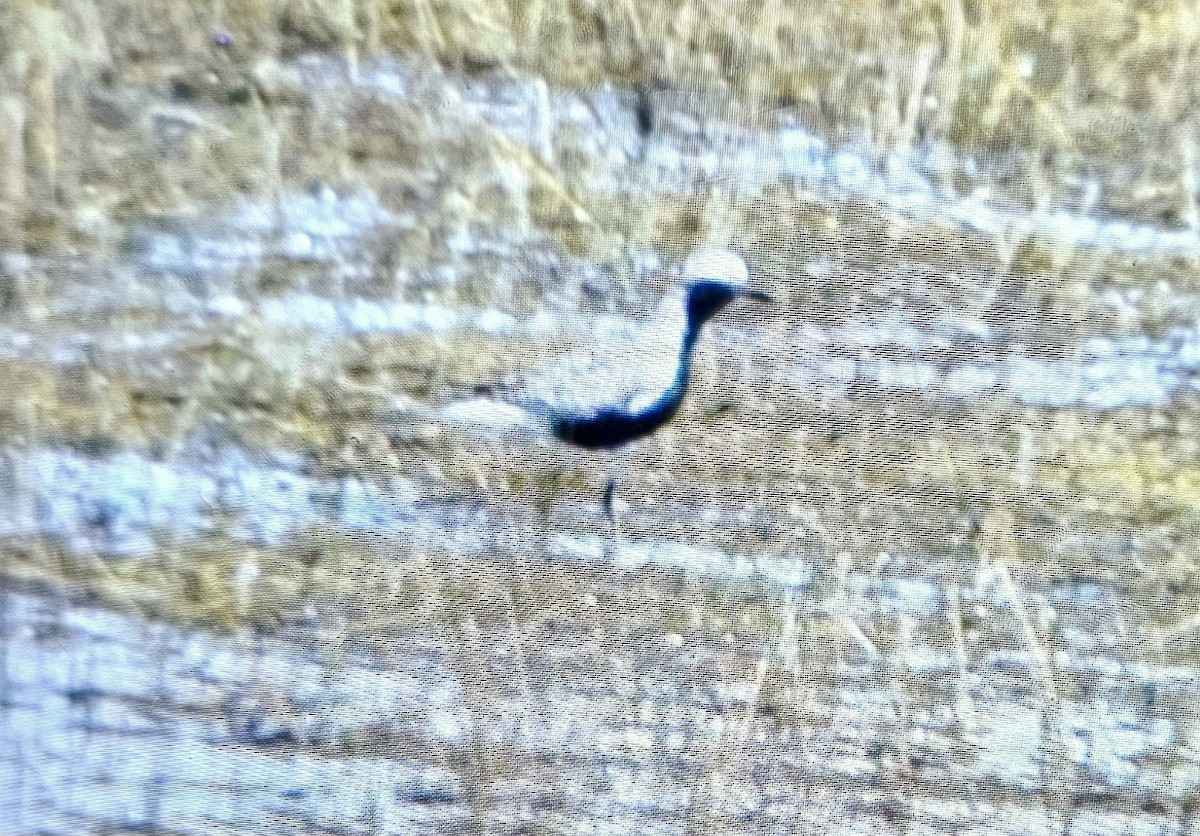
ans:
(614, 427)
(683, 371)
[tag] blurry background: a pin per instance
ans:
(918, 555)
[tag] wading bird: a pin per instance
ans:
(608, 398)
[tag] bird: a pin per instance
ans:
(603, 401)
(716, 278)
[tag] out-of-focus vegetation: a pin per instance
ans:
(1100, 89)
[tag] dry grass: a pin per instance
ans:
(841, 477)
(115, 111)
(1079, 88)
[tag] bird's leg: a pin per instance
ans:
(610, 495)
(550, 487)
(616, 536)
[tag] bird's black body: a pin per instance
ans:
(617, 425)
(609, 428)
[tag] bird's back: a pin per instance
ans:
(630, 378)
(625, 367)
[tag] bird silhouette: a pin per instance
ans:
(600, 399)
(717, 278)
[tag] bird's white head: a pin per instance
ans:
(715, 277)
(717, 264)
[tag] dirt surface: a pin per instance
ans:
(918, 554)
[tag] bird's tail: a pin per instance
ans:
(493, 413)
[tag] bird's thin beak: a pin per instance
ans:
(758, 296)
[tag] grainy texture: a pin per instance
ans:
(918, 554)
